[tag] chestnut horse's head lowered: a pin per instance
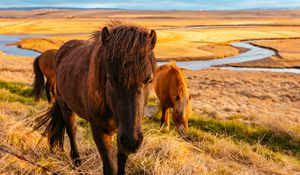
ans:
(181, 111)
(127, 67)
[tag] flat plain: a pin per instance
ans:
(243, 122)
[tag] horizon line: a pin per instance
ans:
(107, 8)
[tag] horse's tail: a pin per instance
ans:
(55, 126)
(39, 82)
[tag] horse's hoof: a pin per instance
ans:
(77, 162)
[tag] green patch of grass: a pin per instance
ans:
(83, 123)
(252, 135)
(87, 134)
(236, 117)
(16, 88)
(297, 129)
(241, 133)
(195, 135)
(10, 97)
(20, 89)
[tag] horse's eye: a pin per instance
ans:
(177, 98)
(110, 80)
(148, 81)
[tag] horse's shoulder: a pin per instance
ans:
(66, 47)
(177, 78)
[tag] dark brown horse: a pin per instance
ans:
(44, 65)
(171, 89)
(107, 84)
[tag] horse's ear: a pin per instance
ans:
(104, 35)
(153, 38)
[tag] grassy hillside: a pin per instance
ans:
(210, 146)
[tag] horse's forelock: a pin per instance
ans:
(127, 53)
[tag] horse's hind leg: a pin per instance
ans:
(48, 88)
(70, 119)
(71, 131)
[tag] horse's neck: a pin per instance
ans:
(96, 86)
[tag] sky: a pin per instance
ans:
(157, 5)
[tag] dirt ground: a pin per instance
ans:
(266, 98)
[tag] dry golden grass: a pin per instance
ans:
(49, 26)
(39, 44)
(172, 45)
(72, 21)
(202, 150)
(263, 98)
(179, 45)
(159, 154)
(167, 48)
(15, 69)
(183, 45)
(248, 123)
(287, 49)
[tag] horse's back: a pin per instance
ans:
(47, 63)
(169, 82)
(72, 61)
(73, 58)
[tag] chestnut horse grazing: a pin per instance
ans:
(108, 85)
(171, 89)
(44, 65)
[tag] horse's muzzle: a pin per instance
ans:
(131, 144)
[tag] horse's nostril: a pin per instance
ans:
(122, 139)
(131, 144)
(140, 139)
(141, 136)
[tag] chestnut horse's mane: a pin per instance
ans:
(126, 52)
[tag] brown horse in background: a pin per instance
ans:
(108, 85)
(171, 89)
(44, 65)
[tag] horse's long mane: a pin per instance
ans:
(183, 90)
(125, 53)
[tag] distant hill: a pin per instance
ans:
(58, 8)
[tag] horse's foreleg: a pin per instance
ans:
(122, 158)
(165, 118)
(104, 145)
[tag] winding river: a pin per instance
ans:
(253, 53)
(14, 50)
